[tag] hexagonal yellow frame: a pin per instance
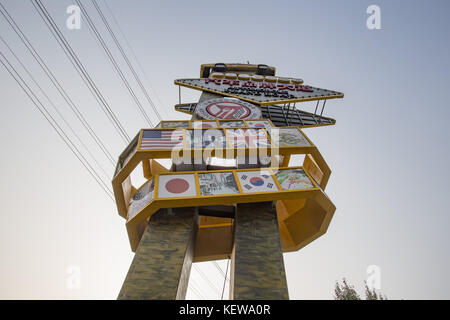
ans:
(303, 214)
(123, 189)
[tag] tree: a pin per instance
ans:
(372, 294)
(345, 291)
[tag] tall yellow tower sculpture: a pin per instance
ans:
(232, 190)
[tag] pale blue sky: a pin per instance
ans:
(388, 151)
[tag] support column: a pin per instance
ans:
(257, 266)
(162, 263)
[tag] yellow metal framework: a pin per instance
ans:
(123, 189)
(134, 224)
(303, 215)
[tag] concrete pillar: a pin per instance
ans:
(257, 266)
(162, 263)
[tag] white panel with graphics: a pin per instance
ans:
(256, 181)
(176, 185)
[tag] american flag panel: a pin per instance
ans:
(161, 139)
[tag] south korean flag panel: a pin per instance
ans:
(256, 181)
(176, 185)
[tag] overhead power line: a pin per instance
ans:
(194, 287)
(54, 124)
(197, 293)
(219, 268)
(81, 70)
(53, 105)
(132, 50)
(54, 81)
(124, 55)
(206, 279)
(114, 63)
(225, 279)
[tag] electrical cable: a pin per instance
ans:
(124, 55)
(43, 110)
(206, 279)
(132, 50)
(225, 280)
(115, 64)
(54, 106)
(54, 81)
(62, 41)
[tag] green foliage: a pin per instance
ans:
(373, 295)
(345, 291)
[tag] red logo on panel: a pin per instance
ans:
(228, 110)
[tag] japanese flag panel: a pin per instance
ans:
(176, 185)
(141, 198)
(256, 181)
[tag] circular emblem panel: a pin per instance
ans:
(227, 108)
(177, 185)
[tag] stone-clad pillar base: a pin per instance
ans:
(257, 266)
(162, 263)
